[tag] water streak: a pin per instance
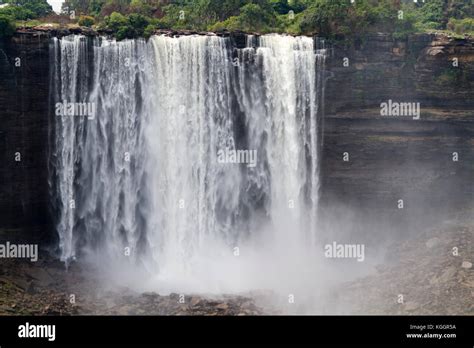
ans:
(143, 177)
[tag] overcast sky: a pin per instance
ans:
(56, 4)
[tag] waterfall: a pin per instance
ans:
(195, 149)
(100, 162)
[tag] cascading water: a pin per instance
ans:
(100, 161)
(162, 173)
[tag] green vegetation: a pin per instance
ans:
(20, 10)
(36, 8)
(86, 21)
(17, 13)
(130, 26)
(336, 19)
(460, 26)
(453, 77)
(252, 17)
(7, 26)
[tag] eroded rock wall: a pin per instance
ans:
(392, 158)
(389, 158)
(24, 95)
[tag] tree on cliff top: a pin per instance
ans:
(337, 19)
(40, 8)
(7, 26)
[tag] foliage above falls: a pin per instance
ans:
(338, 19)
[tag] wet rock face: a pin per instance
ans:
(24, 93)
(423, 69)
(389, 157)
(24, 126)
(393, 158)
(445, 73)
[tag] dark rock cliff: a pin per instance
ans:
(390, 158)
(24, 94)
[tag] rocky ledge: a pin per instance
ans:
(54, 31)
(47, 288)
(431, 274)
(432, 271)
